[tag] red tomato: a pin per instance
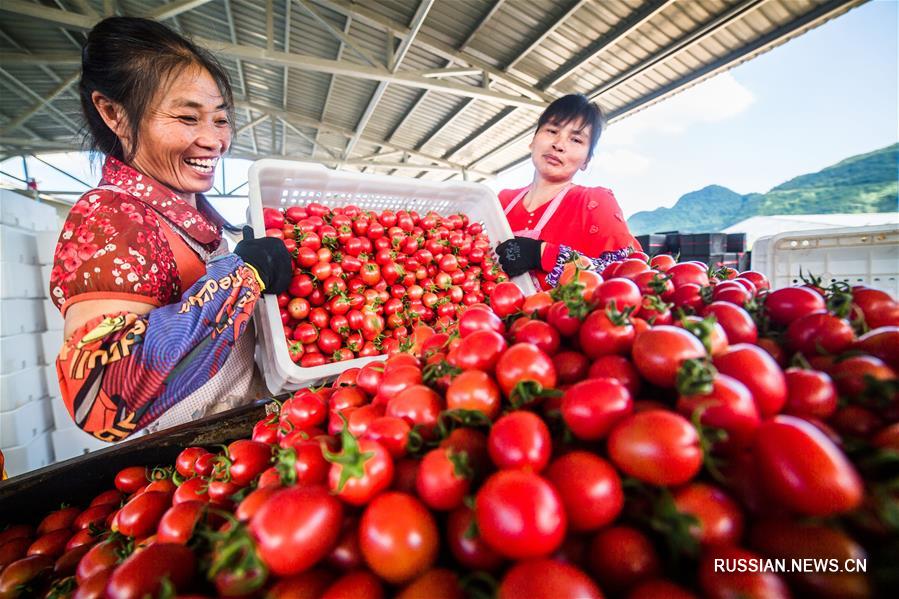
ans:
(878, 307)
(140, 516)
(726, 582)
(659, 352)
(419, 406)
(480, 350)
(719, 520)
(622, 293)
(621, 556)
(52, 544)
(736, 322)
(618, 368)
(571, 366)
(728, 406)
(524, 362)
(187, 459)
(802, 469)
(398, 537)
(396, 381)
(685, 273)
(589, 487)
(146, 570)
(547, 578)
(466, 544)
(178, 523)
(657, 447)
(193, 489)
(296, 528)
(360, 471)
(506, 299)
(22, 574)
(520, 440)
(783, 306)
(61, 518)
(102, 556)
(474, 390)
(592, 407)
(860, 376)
(606, 332)
(520, 515)
(755, 368)
(478, 319)
(131, 479)
(13, 550)
(810, 394)
(355, 585)
(819, 332)
(444, 478)
(541, 334)
(245, 461)
(882, 343)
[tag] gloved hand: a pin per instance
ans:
(519, 255)
(270, 258)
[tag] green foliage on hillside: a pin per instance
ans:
(863, 183)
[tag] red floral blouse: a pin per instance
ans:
(112, 247)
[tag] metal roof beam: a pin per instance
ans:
(346, 29)
(493, 10)
(621, 30)
(51, 15)
(42, 103)
(313, 141)
(446, 72)
(576, 6)
(59, 115)
(39, 58)
(173, 9)
(420, 15)
(434, 45)
(232, 32)
(343, 36)
(252, 124)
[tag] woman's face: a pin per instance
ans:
(184, 133)
(559, 150)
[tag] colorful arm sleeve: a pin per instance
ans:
(566, 254)
(121, 371)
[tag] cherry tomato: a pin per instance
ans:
(61, 518)
(657, 447)
(520, 515)
(506, 299)
(592, 407)
(466, 544)
(819, 332)
(146, 570)
(547, 578)
(783, 306)
(727, 406)
(719, 520)
(659, 352)
(474, 390)
(736, 322)
(621, 556)
(398, 537)
(757, 370)
(444, 478)
(810, 393)
(131, 479)
(802, 469)
(296, 528)
(140, 516)
(589, 487)
(520, 440)
(524, 362)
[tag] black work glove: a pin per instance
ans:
(270, 258)
(519, 255)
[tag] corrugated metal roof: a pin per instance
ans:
(465, 95)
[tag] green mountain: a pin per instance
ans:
(863, 183)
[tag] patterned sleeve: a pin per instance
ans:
(119, 372)
(566, 255)
(112, 247)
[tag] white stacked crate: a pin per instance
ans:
(26, 418)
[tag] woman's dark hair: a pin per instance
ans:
(577, 108)
(128, 59)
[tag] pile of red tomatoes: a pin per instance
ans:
(364, 280)
(658, 430)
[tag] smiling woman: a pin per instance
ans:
(157, 312)
(552, 218)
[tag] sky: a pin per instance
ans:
(822, 97)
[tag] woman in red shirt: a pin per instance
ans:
(552, 218)
(156, 308)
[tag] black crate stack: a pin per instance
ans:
(715, 249)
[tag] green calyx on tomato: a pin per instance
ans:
(436, 371)
(695, 377)
(674, 526)
(351, 457)
(527, 392)
(702, 329)
(235, 567)
(572, 293)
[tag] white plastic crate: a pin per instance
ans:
(61, 418)
(19, 210)
(20, 352)
(856, 255)
(20, 426)
(51, 381)
(19, 388)
(281, 183)
(73, 442)
(18, 246)
(51, 343)
(46, 245)
(19, 316)
(52, 317)
(25, 458)
(19, 280)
